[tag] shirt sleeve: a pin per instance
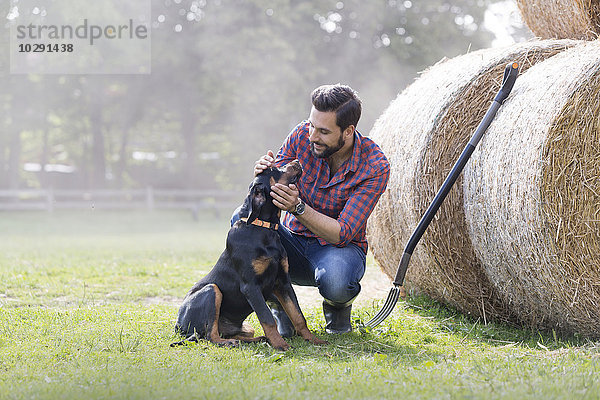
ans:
(360, 205)
(288, 151)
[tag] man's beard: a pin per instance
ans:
(329, 150)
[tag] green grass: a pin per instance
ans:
(95, 258)
(88, 302)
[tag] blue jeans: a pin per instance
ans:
(336, 271)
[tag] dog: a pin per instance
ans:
(253, 267)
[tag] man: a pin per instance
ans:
(323, 230)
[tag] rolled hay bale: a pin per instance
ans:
(532, 194)
(562, 19)
(454, 274)
(406, 131)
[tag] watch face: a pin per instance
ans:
(299, 208)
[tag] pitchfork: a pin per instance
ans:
(510, 75)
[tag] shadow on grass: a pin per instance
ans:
(419, 331)
(447, 320)
(345, 348)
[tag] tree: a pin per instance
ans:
(229, 80)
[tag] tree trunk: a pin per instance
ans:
(98, 154)
(133, 118)
(188, 125)
(45, 175)
(19, 110)
(3, 151)
(14, 158)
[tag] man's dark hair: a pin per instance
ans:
(341, 99)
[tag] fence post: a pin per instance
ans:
(150, 198)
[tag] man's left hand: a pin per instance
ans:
(285, 197)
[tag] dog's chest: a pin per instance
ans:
(267, 267)
(258, 255)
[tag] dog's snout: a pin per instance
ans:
(295, 167)
(294, 171)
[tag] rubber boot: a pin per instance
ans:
(337, 316)
(284, 324)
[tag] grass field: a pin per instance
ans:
(88, 302)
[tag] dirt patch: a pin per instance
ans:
(375, 286)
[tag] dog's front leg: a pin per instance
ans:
(289, 302)
(257, 302)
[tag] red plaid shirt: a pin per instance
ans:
(349, 196)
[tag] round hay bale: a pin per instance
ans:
(454, 273)
(564, 19)
(406, 131)
(532, 194)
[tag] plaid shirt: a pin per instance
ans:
(349, 196)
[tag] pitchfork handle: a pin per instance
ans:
(510, 75)
(508, 81)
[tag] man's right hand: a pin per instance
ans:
(264, 162)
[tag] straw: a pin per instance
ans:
(562, 19)
(532, 195)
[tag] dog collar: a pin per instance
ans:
(262, 224)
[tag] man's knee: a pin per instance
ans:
(235, 217)
(338, 277)
(337, 290)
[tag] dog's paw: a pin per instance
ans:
(317, 341)
(228, 343)
(311, 338)
(281, 345)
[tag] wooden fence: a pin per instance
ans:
(149, 198)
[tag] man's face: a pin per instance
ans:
(325, 135)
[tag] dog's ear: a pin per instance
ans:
(258, 198)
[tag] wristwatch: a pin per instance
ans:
(300, 207)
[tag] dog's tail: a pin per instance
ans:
(192, 338)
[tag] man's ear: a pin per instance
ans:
(349, 131)
(258, 199)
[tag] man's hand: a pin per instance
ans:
(264, 162)
(285, 197)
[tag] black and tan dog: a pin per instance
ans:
(252, 268)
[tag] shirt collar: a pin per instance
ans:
(355, 158)
(352, 164)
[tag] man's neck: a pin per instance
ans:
(336, 160)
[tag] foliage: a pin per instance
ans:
(229, 80)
